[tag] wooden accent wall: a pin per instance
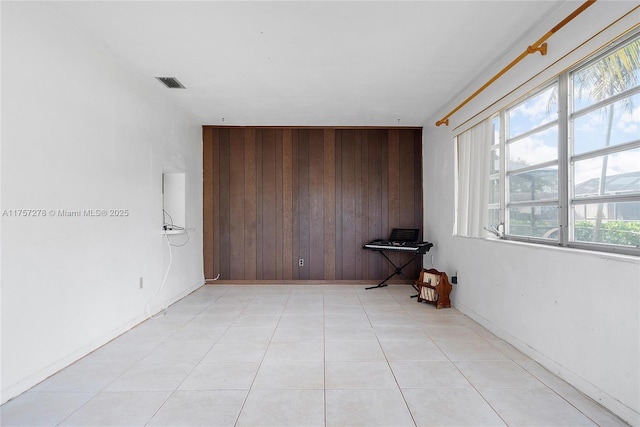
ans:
(273, 196)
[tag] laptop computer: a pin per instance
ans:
(404, 235)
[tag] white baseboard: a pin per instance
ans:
(27, 383)
(624, 412)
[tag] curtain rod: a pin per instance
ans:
(539, 46)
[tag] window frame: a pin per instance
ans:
(566, 201)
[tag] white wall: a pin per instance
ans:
(81, 132)
(577, 313)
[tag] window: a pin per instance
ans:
(531, 150)
(565, 161)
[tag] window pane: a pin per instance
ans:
(613, 223)
(614, 124)
(539, 184)
(495, 161)
(496, 130)
(494, 191)
(609, 76)
(535, 149)
(494, 218)
(534, 221)
(535, 111)
(621, 173)
(495, 177)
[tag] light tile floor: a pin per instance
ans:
(305, 355)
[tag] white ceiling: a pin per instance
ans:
(330, 63)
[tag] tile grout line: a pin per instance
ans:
(380, 310)
(324, 362)
(244, 402)
(135, 363)
(470, 383)
(103, 390)
(197, 363)
(553, 390)
(406, 404)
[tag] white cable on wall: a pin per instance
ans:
(164, 279)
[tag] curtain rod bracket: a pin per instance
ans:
(539, 46)
(542, 49)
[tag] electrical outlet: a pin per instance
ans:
(141, 282)
(301, 262)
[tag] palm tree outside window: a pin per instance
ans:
(566, 159)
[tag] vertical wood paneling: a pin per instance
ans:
(269, 241)
(329, 202)
(236, 202)
(287, 204)
(215, 179)
(259, 197)
(384, 185)
(316, 203)
(274, 195)
(303, 202)
(406, 178)
(295, 204)
(417, 179)
(373, 264)
(349, 195)
(250, 212)
(207, 200)
(339, 212)
(394, 190)
(225, 206)
(360, 188)
(278, 201)
(394, 178)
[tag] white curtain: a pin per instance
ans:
(473, 162)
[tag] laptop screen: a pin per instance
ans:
(404, 235)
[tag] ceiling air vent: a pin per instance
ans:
(171, 82)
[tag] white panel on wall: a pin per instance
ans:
(173, 200)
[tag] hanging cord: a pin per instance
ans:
(183, 243)
(167, 225)
(163, 311)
